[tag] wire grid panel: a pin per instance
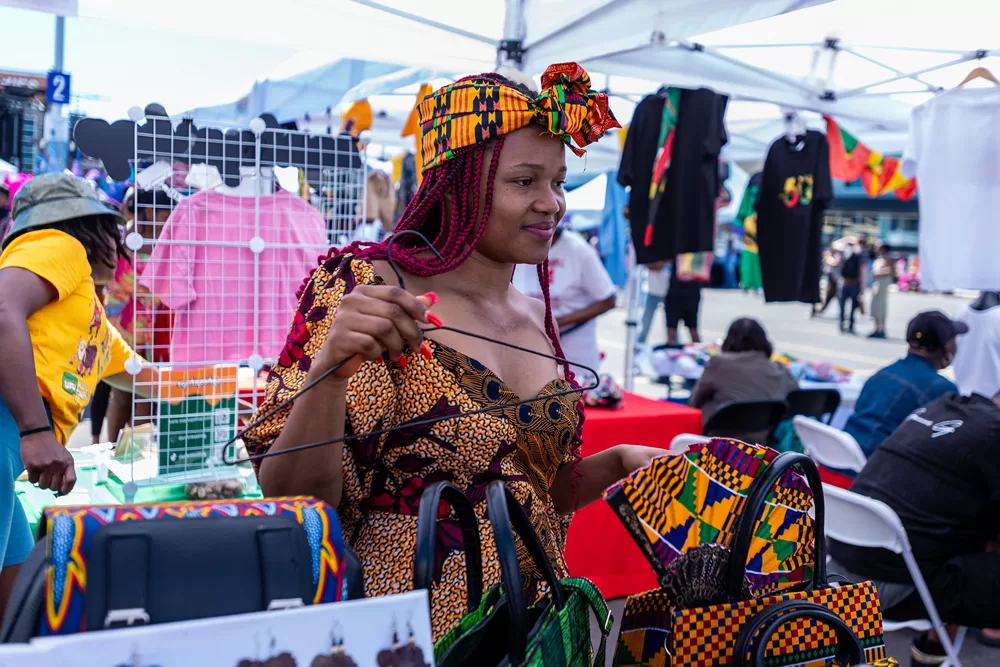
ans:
(216, 273)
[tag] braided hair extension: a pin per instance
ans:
(100, 236)
(454, 230)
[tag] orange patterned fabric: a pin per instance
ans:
(479, 108)
(384, 476)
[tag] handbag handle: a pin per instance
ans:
(849, 649)
(427, 525)
(754, 508)
(505, 511)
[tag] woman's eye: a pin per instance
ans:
(560, 184)
(523, 182)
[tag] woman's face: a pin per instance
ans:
(528, 198)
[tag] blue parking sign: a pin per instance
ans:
(57, 88)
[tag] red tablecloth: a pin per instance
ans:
(598, 546)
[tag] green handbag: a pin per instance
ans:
(501, 628)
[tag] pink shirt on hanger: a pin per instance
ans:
(202, 269)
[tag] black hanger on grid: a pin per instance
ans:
(410, 424)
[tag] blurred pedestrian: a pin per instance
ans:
(883, 273)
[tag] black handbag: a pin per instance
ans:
(503, 628)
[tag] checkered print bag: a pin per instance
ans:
(655, 632)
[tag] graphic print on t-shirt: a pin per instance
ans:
(798, 191)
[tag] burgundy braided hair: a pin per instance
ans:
(455, 233)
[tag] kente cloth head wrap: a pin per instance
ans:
(479, 108)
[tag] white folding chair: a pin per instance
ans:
(681, 442)
(829, 446)
(865, 522)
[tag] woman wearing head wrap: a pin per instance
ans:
(491, 197)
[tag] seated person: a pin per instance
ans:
(742, 372)
(940, 472)
(894, 392)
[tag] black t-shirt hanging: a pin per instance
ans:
(636, 171)
(685, 218)
(693, 180)
(795, 191)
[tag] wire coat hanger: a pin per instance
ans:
(595, 382)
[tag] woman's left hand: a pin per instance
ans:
(634, 457)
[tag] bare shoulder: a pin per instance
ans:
(533, 309)
(384, 271)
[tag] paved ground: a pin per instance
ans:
(789, 327)
(791, 331)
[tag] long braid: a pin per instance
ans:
(550, 330)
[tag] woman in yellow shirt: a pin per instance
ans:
(57, 342)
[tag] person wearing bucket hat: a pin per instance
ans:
(57, 342)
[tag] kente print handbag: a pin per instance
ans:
(728, 526)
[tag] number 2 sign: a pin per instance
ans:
(57, 90)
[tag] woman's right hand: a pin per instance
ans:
(373, 319)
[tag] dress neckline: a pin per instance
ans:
(480, 366)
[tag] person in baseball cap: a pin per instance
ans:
(57, 342)
(933, 333)
(893, 393)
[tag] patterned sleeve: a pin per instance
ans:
(312, 321)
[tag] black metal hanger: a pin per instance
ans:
(406, 425)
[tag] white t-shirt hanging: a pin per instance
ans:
(577, 279)
(954, 151)
(977, 362)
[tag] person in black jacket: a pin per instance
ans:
(940, 472)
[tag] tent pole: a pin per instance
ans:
(426, 21)
(632, 288)
(757, 70)
(510, 51)
(930, 87)
(899, 77)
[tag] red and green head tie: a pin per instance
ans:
(477, 109)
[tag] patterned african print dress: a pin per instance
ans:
(384, 476)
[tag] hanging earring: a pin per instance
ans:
(388, 657)
(256, 662)
(283, 659)
(338, 654)
(410, 654)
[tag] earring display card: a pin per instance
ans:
(359, 630)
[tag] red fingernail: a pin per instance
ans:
(426, 351)
(435, 320)
(432, 297)
(401, 361)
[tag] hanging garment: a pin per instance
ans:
(612, 239)
(794, 193)
(684, 217)
(661, 165)
(746, 223)
(636, 171)
(953, 150)
(693, 180)
(208, 282)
